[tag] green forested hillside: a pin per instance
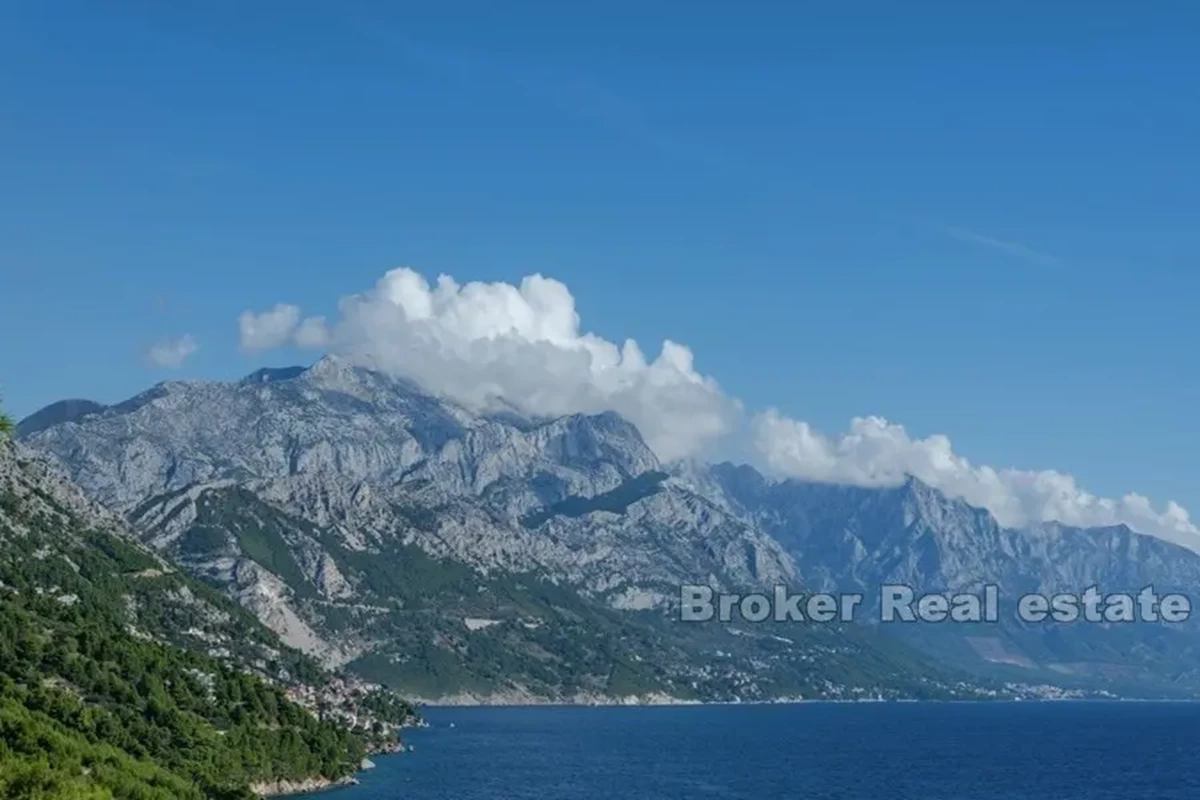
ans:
(121, 678)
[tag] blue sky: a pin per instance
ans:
(972, 222)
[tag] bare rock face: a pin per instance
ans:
(333, 419)
(362, 519)
(36, 483)
(362, 453)
(283, 788)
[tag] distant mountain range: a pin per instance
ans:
(492, 557)
(846, 538)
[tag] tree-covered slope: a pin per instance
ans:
(120, 677)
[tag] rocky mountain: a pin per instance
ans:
(457, 555)
(122, 676)
(377, 527)
(62, 411)
(854, 539)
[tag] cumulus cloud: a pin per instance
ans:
(171, 353)
(312, 334)
(876, 452)
(268, 329)
(496, 345)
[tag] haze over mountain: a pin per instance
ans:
(856, 539)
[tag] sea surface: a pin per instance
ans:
(815, 751)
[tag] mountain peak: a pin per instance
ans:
(330, 365)
(923, 501)
(342, 374)
(915, 487)
(608, 422)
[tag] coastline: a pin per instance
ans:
(803, 701)
(522, 700)
(656, 703)
(287, 788)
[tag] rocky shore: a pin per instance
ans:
(283, 788)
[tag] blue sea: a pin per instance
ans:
(922, 751)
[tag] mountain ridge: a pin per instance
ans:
(854, 539)
(336, 465)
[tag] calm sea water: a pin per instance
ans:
(1011, 751)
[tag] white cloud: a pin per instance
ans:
(876, 452)
(312, 334)
(269, 329)
(171, 353)
(490, 345)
